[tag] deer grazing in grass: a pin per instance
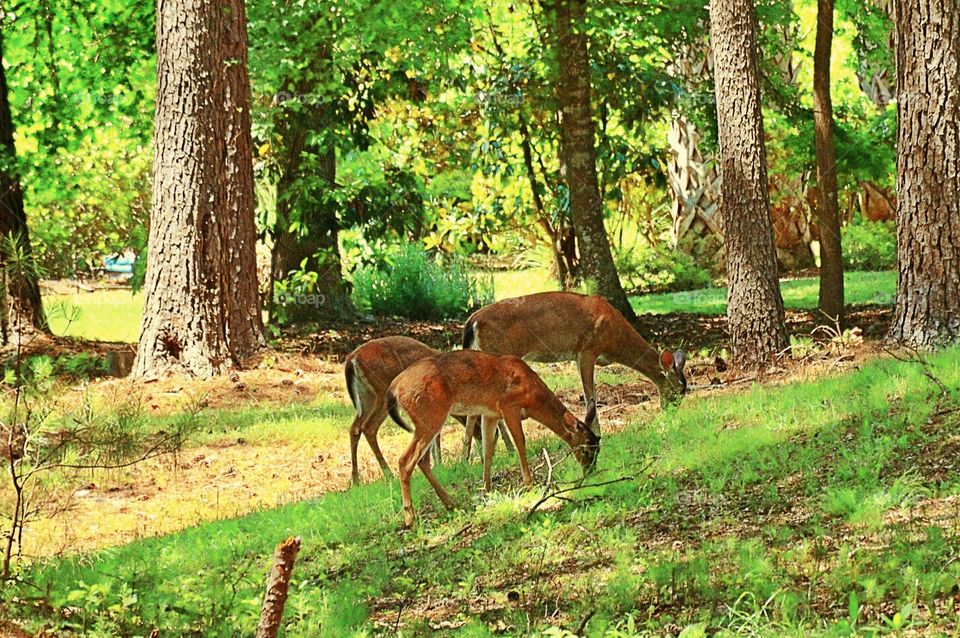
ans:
(369, 370)
(563, 326)
(471, 383)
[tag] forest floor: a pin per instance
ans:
(821, 499)
(275, 433)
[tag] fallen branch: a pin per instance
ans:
(278, 584)
(579, 486)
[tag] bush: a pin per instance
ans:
(869, 246)
(650, 269)
(412, 284)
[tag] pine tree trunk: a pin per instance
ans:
(586, 203)
(202, 311)
(22, 311)
(754, 305)
(828, 208)
(927, 312)
(315, 246)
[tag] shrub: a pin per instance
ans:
(650, 269)
(412, 284)
(869, 246)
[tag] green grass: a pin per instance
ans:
(763, 513)
(104, 315)
(859, 288)
(114, 315)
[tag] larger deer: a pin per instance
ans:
(563, 326)
(369, 370)
(469, 383)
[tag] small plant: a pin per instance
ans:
(412, 284)
(660, 270)
(869, 246)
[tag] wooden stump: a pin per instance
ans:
(271, 614)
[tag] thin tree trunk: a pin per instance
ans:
(22, 310)
(553, 232)
(577, 147)
(202, 310)
(927, 311)
(314, 246)
(754, 305)
(828, 208)
(278, 584)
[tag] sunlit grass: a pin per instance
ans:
(859, 288)
(721, 504)
(104, 315)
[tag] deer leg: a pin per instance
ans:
(469, 433)
(442, 493)
(354, 442)
(488, 428)
(507, 443)
(409, 461)
(435, 449)
(515, 425)
(371, 429)
(586, 363)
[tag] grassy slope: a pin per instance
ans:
(778, 511)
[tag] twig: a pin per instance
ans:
(579, 486)
(546, 458)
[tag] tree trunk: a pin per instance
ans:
(828, 208)
(927, 312)
(754, 305)
(22, 311)
(564, 263)
(202, 312)
(312, 244)
(577, 141)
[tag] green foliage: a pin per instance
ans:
(413, 284)
(656, 269)
(869, 246)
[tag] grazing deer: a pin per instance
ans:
(467, 383)
(369, 370)
(563, 326)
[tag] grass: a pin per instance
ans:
(778, 511)
(114, 315)
(800, 294)
(104, 315)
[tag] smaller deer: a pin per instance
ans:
(369, 370)
(468, 383)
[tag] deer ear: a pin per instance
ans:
(666, 360)
(679, 360)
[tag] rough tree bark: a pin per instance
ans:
(754, 305)
(278, 584)
(202, 311)
(577, 139)
(927, 312)
(828, 208)
(21, 311)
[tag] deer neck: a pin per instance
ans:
(636, 353)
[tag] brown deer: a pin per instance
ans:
(369, 370)
(468, 383)
(565, 326)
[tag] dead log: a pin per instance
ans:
(271, 614)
